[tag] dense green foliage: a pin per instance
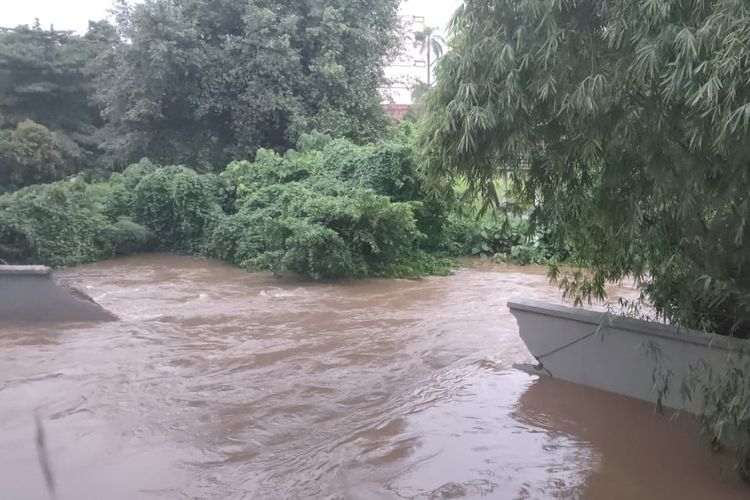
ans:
(338, 211)
(508, 240)
(177, 205)
(31, 154)
(628, 126)
(330, 210)
(636, 154)
(200, 82)
(47, 76)
(63, 224)
(208, 81)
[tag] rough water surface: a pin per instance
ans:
(221, 384)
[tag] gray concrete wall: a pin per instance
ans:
(29, 294)
(622, 356)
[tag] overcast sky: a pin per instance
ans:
(63, 14)
(75, 14)
(435, 12)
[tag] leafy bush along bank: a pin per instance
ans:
(328, 210)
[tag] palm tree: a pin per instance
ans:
(430, 41)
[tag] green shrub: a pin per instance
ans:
(529, 253)
(467, 235)
(390, 169)
(123, 185)
(129, 237)
(378, 231)
(177, 206)
(343, 211)
(278, 199)
(306, 248)
(241, 178)
(58, 224)
(289, 227)
(239, 238)
(15, 246)
(31, 154)
(509, 240)
(343, 159)
(342, 193)
(313, 141)
(432, 216)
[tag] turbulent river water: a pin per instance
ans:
(216, 383)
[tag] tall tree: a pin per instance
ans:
(429, 41)
(30, 154)
(203, 81)
(46, 76)
(632, 120)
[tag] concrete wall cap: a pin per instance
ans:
(642, 327)
(15, 270)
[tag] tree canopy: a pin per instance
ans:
(46, 76)
(30, 154)
(626, 122)
(200, 82)
(214, 80)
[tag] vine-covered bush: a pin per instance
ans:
(329, 210)
(64, 224)
(306, 248)
(178, 206)
(368, 234)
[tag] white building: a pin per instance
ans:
(410, 67)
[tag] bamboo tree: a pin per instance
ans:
(633, 119)
(627, 126)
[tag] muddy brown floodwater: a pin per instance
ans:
(220, 384)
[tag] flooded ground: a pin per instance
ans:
(220, 384)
